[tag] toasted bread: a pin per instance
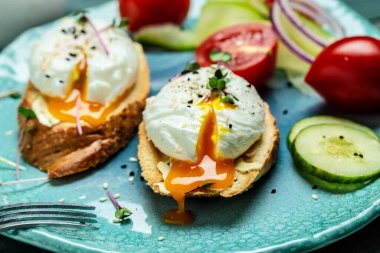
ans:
(250, 166)
(61, 151)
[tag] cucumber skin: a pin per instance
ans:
(324, 175)
(332, 186)
(325, 119)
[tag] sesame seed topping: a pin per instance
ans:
(133, 159)
(116, 196)
(160, 238)
(314, 196)
(102, 199)
(61, 200)
(105, 185)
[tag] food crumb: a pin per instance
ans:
(61, 200)
(273, 191)
(285, 112)
(314, 187)
(314, 196)
(124, 166)
(131, 179)
(132, 159)
(105, 185)
(9, 132)
(160, 238)
(116, 196)
(82, 196)
(102, 199)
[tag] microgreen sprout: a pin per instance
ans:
(121, 213)
(219, 56)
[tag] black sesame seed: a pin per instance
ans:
(63, 31)
(273, 191)
(341, 137)
(314, 187)
(67, 59)
(361, 156)
(189, 106)
(285, 112)
(190, 101)
(355, 154)
(73, 54)
(74, 30)
(76, 37)
(61, 81)
(230, 126)
(124, 166)
(132, 173)
(249, 86)
(93, 47)
(188, 79)
(47, 76)
(83, 31)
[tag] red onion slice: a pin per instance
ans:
(275, 19)
(320, 17)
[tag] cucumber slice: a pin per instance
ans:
(168, 36)
(216, 15)
(337, 153)
(333, 187)
(321, 119)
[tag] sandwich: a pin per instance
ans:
(207, 133)
(85, 97)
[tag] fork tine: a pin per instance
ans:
(46, 205)
(40, 223)
(52, 217)
(47, 211)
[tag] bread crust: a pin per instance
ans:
(259, 158)
(61, 151)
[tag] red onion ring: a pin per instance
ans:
(275, 19)
(320, 17)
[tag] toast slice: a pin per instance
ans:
(61, 151)
(250, 166)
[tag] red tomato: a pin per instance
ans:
(147, 12)
(347, 74)
(252, 47)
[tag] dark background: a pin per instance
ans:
(366, 240)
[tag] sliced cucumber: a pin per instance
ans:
(333, 187)
(216, 15)
(168, 36)
(321, 119)
(337, 153)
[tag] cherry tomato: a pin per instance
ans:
(252, 48)
(147, 12)
(347, 74)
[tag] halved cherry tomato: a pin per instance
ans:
(347, 74)
(252, 47)
(147, 12)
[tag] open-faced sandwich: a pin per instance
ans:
(207, 133)
(87, 90)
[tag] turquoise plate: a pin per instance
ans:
(256, 221)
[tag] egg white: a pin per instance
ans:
(173, 117)
(51, 65)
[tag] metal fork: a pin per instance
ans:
(27, 215)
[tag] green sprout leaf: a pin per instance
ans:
(122, 213)
(15, 95)
(122, 23)
(218, 56)
(221, 84)
(191, 66)
(81, 16)
(207, 185)
(228, 99)
(28, 113)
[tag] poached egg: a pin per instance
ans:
(202, 134)
(70, 66)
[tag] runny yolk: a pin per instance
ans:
(185, 176)
(93, 113)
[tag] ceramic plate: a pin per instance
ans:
(256, 221)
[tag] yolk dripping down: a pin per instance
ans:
(93, 113)
(185, 176)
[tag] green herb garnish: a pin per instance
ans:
(27, 113)
(191, 66)
(122, 213)
(218, 56)
(81, 16)
(218, 81)
(15, 95)
(227, 99)
(122, 23)
(207, 185)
